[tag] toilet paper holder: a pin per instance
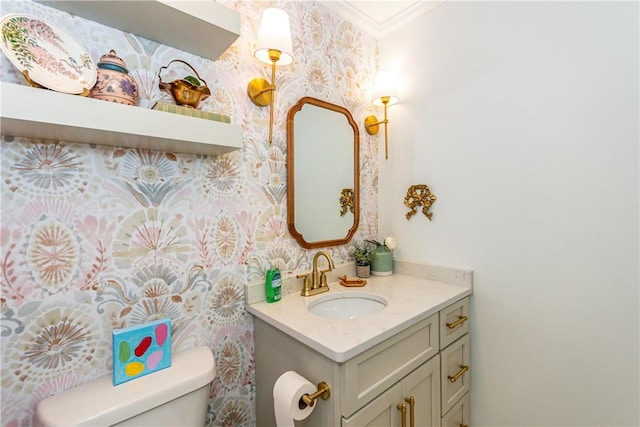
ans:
(323, 392)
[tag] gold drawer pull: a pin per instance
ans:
(460, 321)
(411, 401)
(463, 369)
(403, 408)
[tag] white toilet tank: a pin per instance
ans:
(175, 396)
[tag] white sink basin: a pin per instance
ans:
(347, 305)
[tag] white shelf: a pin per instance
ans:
(201, 27)
(44, 114)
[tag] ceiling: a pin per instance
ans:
(380, 17)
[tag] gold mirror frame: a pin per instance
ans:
(291, 174)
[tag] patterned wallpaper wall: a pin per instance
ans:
(96, 238)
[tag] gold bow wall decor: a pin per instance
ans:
(419, 195)
(346, 201)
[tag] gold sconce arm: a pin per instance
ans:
(371, 124)
(263, 93)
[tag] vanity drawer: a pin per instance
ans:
(370, 373)
(454, 322)
(455, 378)
(459, 415)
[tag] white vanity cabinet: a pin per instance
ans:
(440, 386)
(370, 388)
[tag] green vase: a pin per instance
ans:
(381, 262)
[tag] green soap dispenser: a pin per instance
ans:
(273, 285)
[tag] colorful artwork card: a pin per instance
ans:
(140, 350)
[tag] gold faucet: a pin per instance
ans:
(318, 278)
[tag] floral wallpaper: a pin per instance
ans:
(96, 238)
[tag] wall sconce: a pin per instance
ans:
(385, 93)
(273, 47)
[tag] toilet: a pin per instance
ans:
(175, 396)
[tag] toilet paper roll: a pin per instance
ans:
(287, 391)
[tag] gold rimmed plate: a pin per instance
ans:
(47, 55)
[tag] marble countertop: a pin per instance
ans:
(410, 299)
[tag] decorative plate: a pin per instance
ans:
(51, 57)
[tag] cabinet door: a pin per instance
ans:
(455, 379)
(380, 412)
(423, 385)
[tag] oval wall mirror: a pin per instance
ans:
(323, 173)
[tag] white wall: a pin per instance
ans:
(523, 120)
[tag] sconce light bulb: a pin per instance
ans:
(274, 35)
(385, 89)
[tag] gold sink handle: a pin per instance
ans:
(306, 284)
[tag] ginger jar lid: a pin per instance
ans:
(111, 61)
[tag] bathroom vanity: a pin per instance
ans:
(410, 359)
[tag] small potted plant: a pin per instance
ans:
(363, 261)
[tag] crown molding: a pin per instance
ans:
(379, 28)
